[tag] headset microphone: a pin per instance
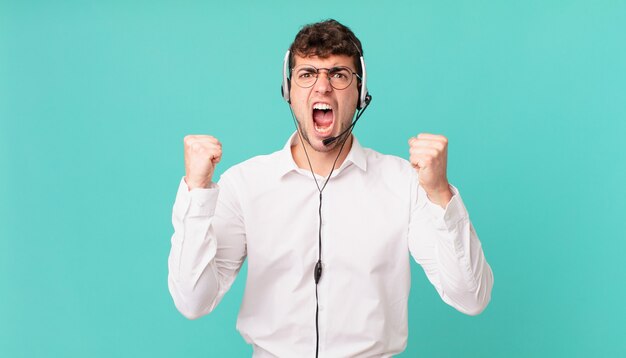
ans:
(366, 103)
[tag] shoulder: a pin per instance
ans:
(390, 175)
(377, 161)
(256, 168)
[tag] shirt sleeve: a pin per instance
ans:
(445, 244)
(207, 247)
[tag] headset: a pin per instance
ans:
(364, 97)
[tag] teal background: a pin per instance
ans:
(95, 98)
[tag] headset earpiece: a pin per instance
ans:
(285, 87)
(364, 96)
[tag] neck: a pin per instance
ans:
(322, 162)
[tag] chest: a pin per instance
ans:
(363, 223)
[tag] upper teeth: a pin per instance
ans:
(321, 106)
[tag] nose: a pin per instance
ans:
(322, 85)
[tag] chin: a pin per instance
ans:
(315, 141)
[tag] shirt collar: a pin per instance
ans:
(286, 163)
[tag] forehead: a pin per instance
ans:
(325, 62)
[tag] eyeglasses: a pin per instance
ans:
(340, 77)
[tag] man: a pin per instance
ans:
(326, 225)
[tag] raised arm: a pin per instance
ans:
(441, 236)
(208, 245)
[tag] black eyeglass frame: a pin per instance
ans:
(328, 71)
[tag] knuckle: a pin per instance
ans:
(196, 146)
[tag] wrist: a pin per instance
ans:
(440, 196)
(197, 184)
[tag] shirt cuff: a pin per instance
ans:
(447, 218)
(198, 202)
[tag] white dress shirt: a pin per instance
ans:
(374, 214)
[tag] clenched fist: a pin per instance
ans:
(429, 156)
(202, 153)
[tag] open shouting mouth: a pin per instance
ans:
(323, 118)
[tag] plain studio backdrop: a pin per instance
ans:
(95, 98)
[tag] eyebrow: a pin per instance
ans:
(337, 67)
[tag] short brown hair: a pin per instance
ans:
(326, 38)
